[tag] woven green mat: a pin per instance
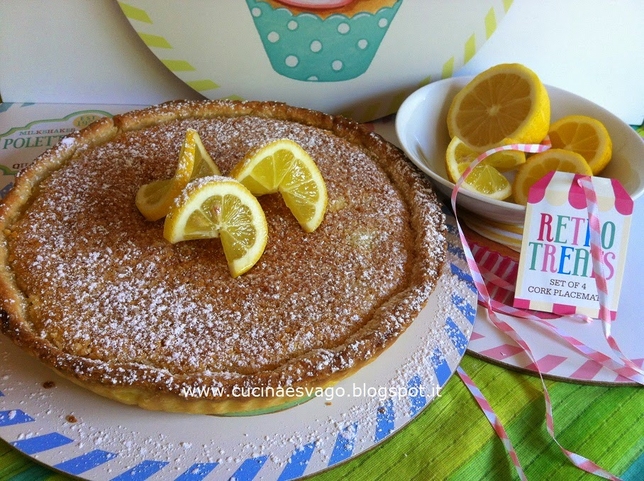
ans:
(451, 439)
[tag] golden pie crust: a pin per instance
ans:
(91, 289)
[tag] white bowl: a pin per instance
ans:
(421, 127)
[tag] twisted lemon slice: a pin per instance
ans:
(221, 207)
(154, 199)
(283, 166)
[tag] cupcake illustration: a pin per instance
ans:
(322, 40)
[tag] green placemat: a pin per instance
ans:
(451, 439)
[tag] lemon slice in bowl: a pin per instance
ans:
(485, 178)
(586, 136)
(540, 164)
(154, 199)
(284, 166)
(488, 181)
(505, 104)
(459, 156)
(220, 207)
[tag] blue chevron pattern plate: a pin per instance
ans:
(74, 431)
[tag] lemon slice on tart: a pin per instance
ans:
(284, 166)
(155, 198)
(505, 104)
(220, 207)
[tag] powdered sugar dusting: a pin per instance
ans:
(104, 284)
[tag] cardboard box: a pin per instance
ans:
(27, 130)
(147, 51)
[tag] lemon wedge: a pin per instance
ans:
(585, 135)
(154, 199)
(486, 178)
(540, 164)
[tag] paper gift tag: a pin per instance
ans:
(555, 266)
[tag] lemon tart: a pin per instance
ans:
(91, 288)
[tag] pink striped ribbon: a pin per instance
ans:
(598, 269)
(493, 419)
(491, 306)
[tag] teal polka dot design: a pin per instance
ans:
(311, 48)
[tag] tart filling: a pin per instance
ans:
(92, 289)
